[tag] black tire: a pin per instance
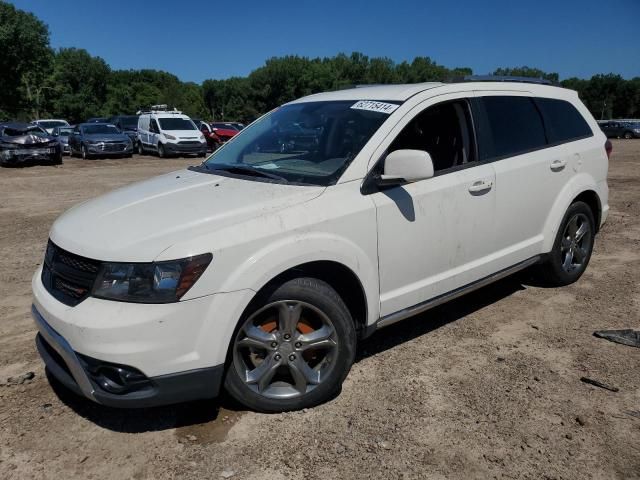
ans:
(84, 152)
(317, 297)
(628, 135)
(558, 269)
(161, 151)
(140, 148)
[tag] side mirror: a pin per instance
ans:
(406, 166)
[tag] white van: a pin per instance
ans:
(169, 132)
(260, 269)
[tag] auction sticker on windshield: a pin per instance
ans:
(374, 106)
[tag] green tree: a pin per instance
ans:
(24, 63)
(78, 84)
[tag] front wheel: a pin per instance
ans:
(292, 349)
(85, 152)
(628, 135)
(572, 248)
(161, 151)
(140, 149)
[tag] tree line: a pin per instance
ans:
(37, 81)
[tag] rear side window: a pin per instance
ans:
(515, 126)
(563, 122)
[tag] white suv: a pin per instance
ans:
(260, 269)
(169, 132)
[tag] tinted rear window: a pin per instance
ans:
(564, 123)
(516, 126)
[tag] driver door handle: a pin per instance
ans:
(558, 164)
(480, 186)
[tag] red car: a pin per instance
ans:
(213, 140)
(224, 130)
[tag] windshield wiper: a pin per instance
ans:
(247, 170)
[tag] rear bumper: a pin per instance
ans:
(83, 376)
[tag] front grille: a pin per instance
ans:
(113, 147)
(189, 142)
(67, 276)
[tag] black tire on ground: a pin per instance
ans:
(161, 151)
(140, 149)
(628, 135)
(318, 298)
(85, 153)
(572, 247)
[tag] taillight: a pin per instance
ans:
(608, 147)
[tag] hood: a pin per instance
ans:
(138, 222)
(184, 134)
(106, 137)
(27, 140)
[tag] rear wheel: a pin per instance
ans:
(628, 135)
(293, 348)
(572, 248)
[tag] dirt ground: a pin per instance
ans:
(485, 387)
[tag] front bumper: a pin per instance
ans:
(82, 376)
(100, 149)
(177, 148)
(179, 347)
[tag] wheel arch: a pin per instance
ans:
(581, 188)
(337, 275)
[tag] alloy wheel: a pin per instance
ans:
(576, 243)
(285, 349)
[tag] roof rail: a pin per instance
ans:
(159, 109)
(502, 78)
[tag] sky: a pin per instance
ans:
(197, 40)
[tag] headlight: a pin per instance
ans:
(158, 282)
(170, 137)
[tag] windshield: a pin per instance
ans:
(129, 122)
(176, 124)
(65, 131)
(312, 142)
(227, 126)
(19, 132)
(52, 123)
(97, 129)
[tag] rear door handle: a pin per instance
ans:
(480, 186)
(558, 164)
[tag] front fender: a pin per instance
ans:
(286, 253)
(580, 183)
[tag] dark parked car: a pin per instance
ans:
(22, 143)
(127, 124)
(99, 140)
(615, 129)
(62, 134)
(97, 120)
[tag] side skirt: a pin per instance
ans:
(445, 297)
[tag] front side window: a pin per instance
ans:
(444, 131)
(311, 142)
(562, 121)
(176, 124)
(515, 126)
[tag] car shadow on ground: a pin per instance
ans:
(214, 412)
(432, 319)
